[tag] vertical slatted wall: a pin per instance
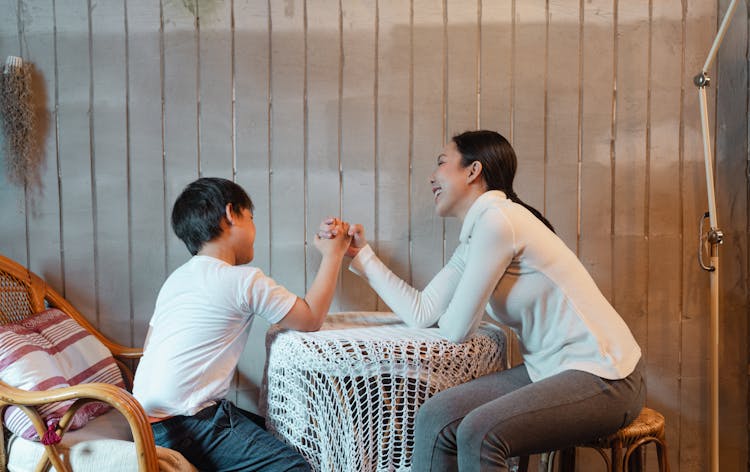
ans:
(339, 107)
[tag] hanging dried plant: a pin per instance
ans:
(18, 120)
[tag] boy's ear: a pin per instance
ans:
(229, 214)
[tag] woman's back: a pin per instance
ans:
(550, 301)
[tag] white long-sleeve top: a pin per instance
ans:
(511, 265)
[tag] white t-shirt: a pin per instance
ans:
(198, 331)
(511, 265)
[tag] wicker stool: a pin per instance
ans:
(648, 427)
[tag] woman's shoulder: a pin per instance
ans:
(488, 209)
(494, 224)
(510, 221)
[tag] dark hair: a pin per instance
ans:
(498, 161)
(199, 210)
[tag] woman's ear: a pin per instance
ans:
(475, 170)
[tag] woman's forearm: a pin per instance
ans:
(415, 308)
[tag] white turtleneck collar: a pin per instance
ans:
(483, 202)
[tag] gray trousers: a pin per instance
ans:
(477, 425)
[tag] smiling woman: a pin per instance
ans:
(581, 376)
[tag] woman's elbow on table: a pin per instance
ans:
(454, 333)
(418, 323)
(454, 337)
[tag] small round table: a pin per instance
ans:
(346, 397)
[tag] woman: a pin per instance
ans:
(581, 377)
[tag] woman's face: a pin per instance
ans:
(450, 183)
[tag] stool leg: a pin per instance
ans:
(661, 455)
(633, 459)
(523, 464)
(568, 460)
(607, 460)
(617, 459)
(635, 462)
(547, 462)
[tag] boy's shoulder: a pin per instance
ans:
(205, 275)
(199, 261)
(206, 268)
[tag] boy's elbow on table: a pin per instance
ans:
(314, 324)
(301, 317)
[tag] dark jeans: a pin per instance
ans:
(223, 437)
(478, 425)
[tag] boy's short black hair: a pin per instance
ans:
(200, 208)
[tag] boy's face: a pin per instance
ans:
(243, 235)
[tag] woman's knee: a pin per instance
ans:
(437, 413)
(480, 436)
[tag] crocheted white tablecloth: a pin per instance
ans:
(346, 396)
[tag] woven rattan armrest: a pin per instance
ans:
(112, 395)
(41, 295)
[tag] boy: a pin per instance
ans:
(200, 326)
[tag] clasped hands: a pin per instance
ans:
(355, 233)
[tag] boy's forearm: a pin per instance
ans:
(321, 292)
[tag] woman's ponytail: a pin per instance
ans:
(514, 198)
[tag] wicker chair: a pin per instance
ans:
(22, 294)
(648, 427)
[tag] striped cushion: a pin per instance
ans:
(47, 351)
